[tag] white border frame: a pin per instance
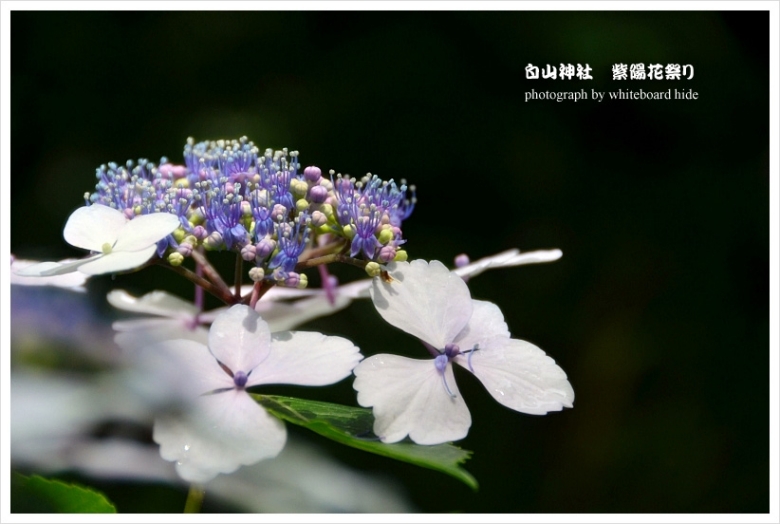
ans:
(773, 7)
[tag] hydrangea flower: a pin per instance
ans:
(218, 427)
(121, 244)
(420, 398)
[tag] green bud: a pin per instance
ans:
(303, 282)
(179, 234)
(385, 236)
(373, 269)
(190, 239)
(400, 256)
(298, 187)
(349, 231)
(175, 258)
(327, 210)
(302, 205)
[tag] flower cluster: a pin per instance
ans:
(263, 208)
(227, 195)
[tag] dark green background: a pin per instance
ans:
(658, 310)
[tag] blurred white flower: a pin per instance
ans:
(53, 416)
(72, 281)
(220, 427)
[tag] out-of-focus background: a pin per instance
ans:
(658, 310)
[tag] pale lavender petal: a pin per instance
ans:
(118, 261)
(509, 258)
(240, 339)
(408, 397)
(154, 303)
(425, 300)
(93, 226)
(145, 230)
(219, 434)
(520, 376)
(486, 322)
(306, 359)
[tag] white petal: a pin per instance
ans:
(145, 230)
(425, 300)
(284, 293)
(282, 316)
(154, 303)
(92, 226)
(172, 372)
(306, 359)
(118, 261)
(240, 339)
(356, 289)
(520, 376)
(409, 398)
(486, 322)
(222, 432)
(535, 257)
(508, 258)
(141, 332)
(60, 274)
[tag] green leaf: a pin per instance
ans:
(353, 427)
(39, 495)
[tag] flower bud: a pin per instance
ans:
(248, 252)
(387, 254)
(213, 241)
(265, 247)
(385, 236)
(256, 274)
(278, 211)
(327, 210)
(373, 269)
(312, 173)
(462, 260)
(318, 194)
(175, 258)
(349, 231)
(298, 187)
(302, 205)
(199, 232)
(318, 219)
(400, 256)
(292, 279)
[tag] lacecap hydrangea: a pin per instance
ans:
(227, 195)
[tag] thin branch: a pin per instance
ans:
(208, 270)
(239, 269)
(327, 259)
(223, 294)
(322, 250)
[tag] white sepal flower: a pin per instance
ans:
(419, 398)
(71, 281)
(120, 244)
(221, 427)
(508, 258)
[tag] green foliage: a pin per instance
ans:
(353, 427)
(39, 495)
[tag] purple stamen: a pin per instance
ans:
(239, 379)
(441, 363)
